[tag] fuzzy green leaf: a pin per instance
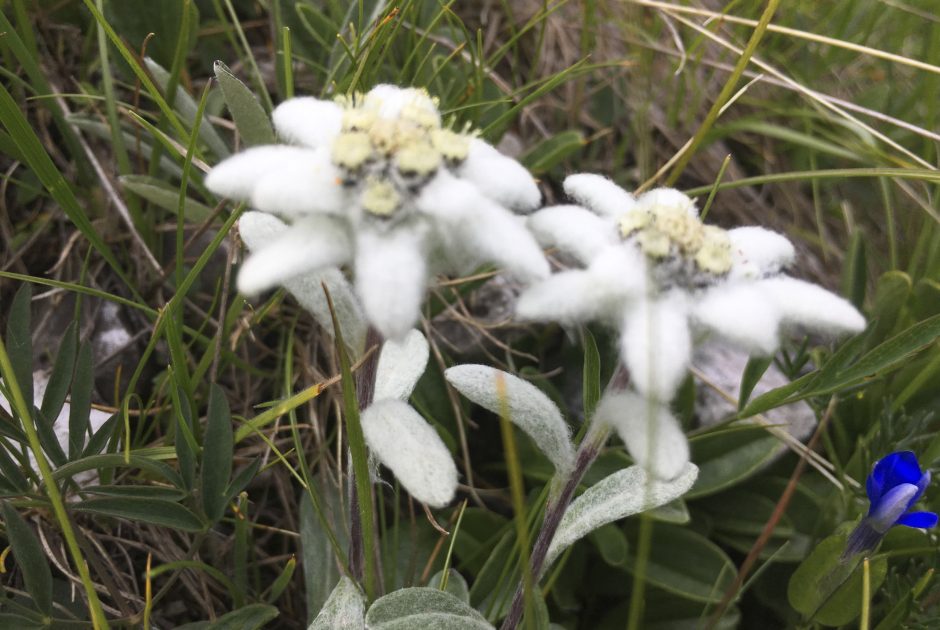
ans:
(249, 116)
(147, 510)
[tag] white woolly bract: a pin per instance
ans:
(574, 230)
(401, 364)
(758, 252)
(602, 291)
(666, 198)
(258, 229)
(806, 304)
(499, 177)
(388, 100)
(308, 121)
(599, 194)
(285, 180)
(528, 408)
(391, 276)
(408, 446)
(308, 245)
(622, 494)
(651, 433)
(310, 184)
(742, 314)
(480, 230)
(345, 609)
(656, 344)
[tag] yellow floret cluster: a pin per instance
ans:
(384, 150)
(661, 231)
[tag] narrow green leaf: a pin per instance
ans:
(117, 460)
(855, 270)
(217, 445)
(753, 371)
(52, 179)
(591, 373)
(100, 438)
(61, 377)
(20, 344)
(146, 510)
(242, 478)
(80, 407)
(138, 492)
(552, 151)
(249, 116)
(30, 558)
(50, 442)
(891, 294)
(730, 456)
(11, 474)
(164, 196)
(251, 617)
(185, 442)
(281, 581)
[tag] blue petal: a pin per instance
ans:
(892, 470)
(886, 511)
(921, 486)
(918, 519)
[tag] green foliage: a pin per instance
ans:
(103, 148)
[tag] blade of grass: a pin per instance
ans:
(358, 454)
(52, 179)
(99, 621)
(727, 91)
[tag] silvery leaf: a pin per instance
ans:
(411, 608)
(401, 364)
(529, 408)
(624, 493)
(408, 446)
(344, 610)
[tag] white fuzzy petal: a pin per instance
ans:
(656, 345)
(256, 229)
(309, 244)
(308, 121)
(290, 181)
(599, 194)
(401, 364)
(528, 407)
(742, 314)
(237, 176)
(574, 230)
(409, 447)
(388, 101)
(391, 278)
(475, 228)
(651, 433)
(500, 177)
(308, 185)
(757, 252)
(811, 306)
(666, 198)
(571, 297)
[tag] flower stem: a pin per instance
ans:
(361, 542)
(554, 511)
(98, 618)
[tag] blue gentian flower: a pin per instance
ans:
(894, 486)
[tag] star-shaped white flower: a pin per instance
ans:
(378, 183)
(656, 272)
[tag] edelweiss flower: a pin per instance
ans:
(376, 181)
(656, 272)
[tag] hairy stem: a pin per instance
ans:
(365, 389)
(554, 511)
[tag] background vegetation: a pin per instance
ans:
(120, 263)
